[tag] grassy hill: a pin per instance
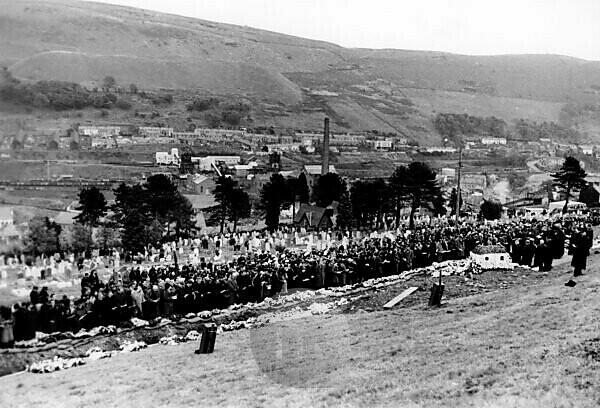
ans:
(527, 342)
(291, 82)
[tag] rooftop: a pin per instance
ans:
(315, 169)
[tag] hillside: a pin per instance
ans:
(528, 342)
(291, 82)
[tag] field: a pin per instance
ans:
(531, 344)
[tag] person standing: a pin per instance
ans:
(580, 251)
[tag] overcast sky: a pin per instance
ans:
(568, 27)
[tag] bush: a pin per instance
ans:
(59, 95)
(40, 100)
(123, 104)
(162, 99)
(232, 118)
(203, 104)
(491, 210)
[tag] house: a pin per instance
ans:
(284, 139)
(381, 144)
(448, 172)
(439, 149)
(208, 163)
(201, 184)
(168, 158)
(493, 141)
(313, 217)
(6, 216)
(99, 131)
(242, 170)
(313, 172)
(284, 147)
(315, 169)
(587, 149)
(219, 133)
(264, 139)
(155, 131)
(473, 182)
(347, 139)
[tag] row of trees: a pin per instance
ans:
(154, 211)
(59, 95)
(142, 214)
(366, 202)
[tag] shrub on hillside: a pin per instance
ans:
(59, 95)
(123, 104)
(162, 99)
(202, 104)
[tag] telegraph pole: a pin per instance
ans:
(458, 194)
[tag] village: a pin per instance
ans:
(250, 158)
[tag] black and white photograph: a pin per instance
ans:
(300, 203)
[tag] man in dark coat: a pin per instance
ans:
(580, 249)
(34, 296)
(558, 242)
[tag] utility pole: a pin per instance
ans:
(458, 194)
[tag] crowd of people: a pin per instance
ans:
(175, 290)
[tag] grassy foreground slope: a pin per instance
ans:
(530, 346)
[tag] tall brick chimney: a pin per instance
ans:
(325, 153)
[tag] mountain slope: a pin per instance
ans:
(387, 90)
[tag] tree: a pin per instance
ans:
(273, 197)
(81, 238)
(131, 214)
(109, 82)
(107, 238)
(42, 237)
(344, 216)
(92, 205)
(491, 210)
(589, 196)
(369, 200)
(452, 202)
(240, 206)
(223, 193)
(329, 187)
(161, 193)
(570, 177)
(128, 198)
(133, 88)
(135, 233)
(302, 190)
(182, 215)
(168, 207)
(53, 145)
(416, 184)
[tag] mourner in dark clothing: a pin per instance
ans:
(181, 289)
(580, 248)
